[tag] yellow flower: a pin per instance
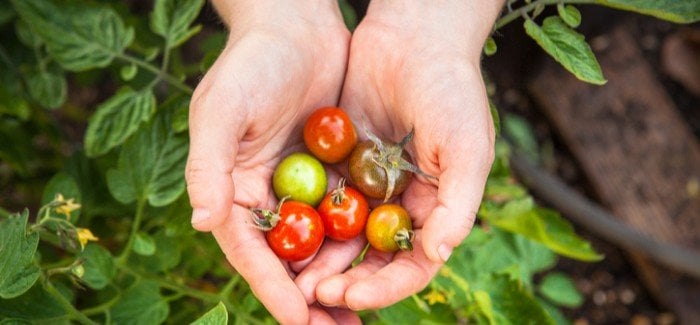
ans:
(66, 207)
(85, 235)
(434, 297)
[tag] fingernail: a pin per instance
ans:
(199, 215)
(444, 251)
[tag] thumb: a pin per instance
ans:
(213, 148)
(460, 191)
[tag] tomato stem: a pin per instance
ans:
(265, 219)
(404, 239)
(338, 194)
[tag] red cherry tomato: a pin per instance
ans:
(344, 212)
(329, 134)
(299, 232)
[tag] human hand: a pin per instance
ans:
(283, 59)
(415, 65)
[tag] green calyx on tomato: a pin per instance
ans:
(390, 170)
(301, 177)
(294, 231)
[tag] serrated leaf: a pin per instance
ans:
(17, 248)
(542, 225)
(408, 311)
(48, 87)
(116, 119)
(99, 266)
(144, 245)
(172, 19)
(569, 14)
(151, 165)
(561, 290)
(141, 304)
(216, 316)
(567, 47)
(671, 10)
(79, 37)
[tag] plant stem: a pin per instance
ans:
(67, 306)
(513, 15)
(135, 226)
(155, 70)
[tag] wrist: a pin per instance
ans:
(464, 24)
(235, 13)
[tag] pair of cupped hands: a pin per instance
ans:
(409, 64)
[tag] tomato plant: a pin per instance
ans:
(382, 169)
(344, 212)
(294, 232)
(301, 177)
(389, 228)
(329, 134)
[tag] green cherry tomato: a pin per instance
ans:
(300, 177)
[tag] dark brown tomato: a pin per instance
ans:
(370, 178)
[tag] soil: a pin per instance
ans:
(614, 293)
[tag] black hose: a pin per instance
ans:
(593, 217)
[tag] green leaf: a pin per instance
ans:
(116, 119)
(678, 11)
(144, 245)
(172, 19)
(26, 35)
(78, 36)
(567, 47)
(569, 14)
(13, 105)
(512, 303)
(408, 311)
(151, 165)
(349, 14)
(35, 304)
(48, 87)
(64, 184)
(523, 138)
(561, 290)
(17, 247)
(542, 225)
(216, 316)
(141, 304)
(169, 255)
(490, 46)
(99, 266)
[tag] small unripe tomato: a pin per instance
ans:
(300, 177)
(389, 228)
(329, 134)
(344, 212)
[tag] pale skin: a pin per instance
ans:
(409, 64)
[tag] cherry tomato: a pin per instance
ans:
(300, 177)
(329, 134)
(344, 212)
(299, 232)
(389, 228)
(370, 177)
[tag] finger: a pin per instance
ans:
(246, 249)
(343, 316)
(318, 316)
(459, 196)
(331, 291)
(333, 258)
(213, 148)
(407, 274)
